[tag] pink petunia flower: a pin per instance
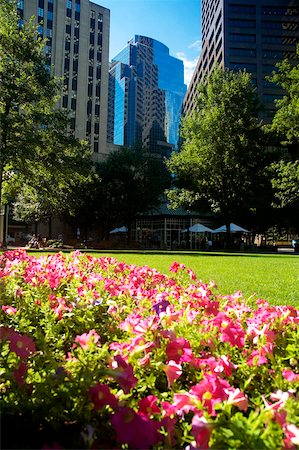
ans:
(173, 372)
(292, 436)
(20, 373)
(290, 376)
(20, 344)
(148, 405)
(86, 339)
(179, 350)
(201, 431)
(100, 395)
(210, 391)
(123, 373)
(237, 398)
(135, 430)
(256, 359)
(9, 309)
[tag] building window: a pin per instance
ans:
(74, 84)
(89, 90)
(96, 147)
(66, 64)
(69, 4)
(90, 71)
(96, 128)
(270, 98)
(91, 38)
(67, 46)
(72, 123)
(97, 110)
(99, 56)
(241, 66)
(50, 6)
(242, 23)
(237, 37)
(68, 29)
(40, 12)
(89, 107)
(76, 33)
(73, 104)
(68, 12)
(64, 101)
(41, 3)
(76, 48)
(249, 52)
(279, 11)
(269, 68)
(100, 39)
(92, 23)
(88, 127)
(91, 53)
(242, 9)
(98, 74)
(75, 66)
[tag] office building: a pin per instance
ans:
(146, 91)
(246, 34)
(77, 47)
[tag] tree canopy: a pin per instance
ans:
(34, 143)
(220, 165)
(286, 119)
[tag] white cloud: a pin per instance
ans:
(196, 45)
(189, 66)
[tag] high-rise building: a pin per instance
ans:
(146, 91)
(246, 34)
(77, 33)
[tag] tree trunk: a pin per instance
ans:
(50, 227)
(228, 234)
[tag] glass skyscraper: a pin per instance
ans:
(146, 92)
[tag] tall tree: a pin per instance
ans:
(285, 173)
(130, 182)
(286, 119)
(220, 165)
(33, 138)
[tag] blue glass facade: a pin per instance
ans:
(146, 95)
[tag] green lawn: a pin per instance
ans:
(272, 277)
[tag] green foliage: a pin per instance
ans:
(34, 144)
(286, 119)
(285, 182)
(220, 166)
(126, 183)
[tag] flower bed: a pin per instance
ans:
(99, 354)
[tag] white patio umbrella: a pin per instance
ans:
(119, 230)
(233, 229)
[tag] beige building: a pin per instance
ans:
(77, 33)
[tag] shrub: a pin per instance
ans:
(96, 353)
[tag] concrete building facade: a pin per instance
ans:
(246, 34)
(77, 47)
(146, 91)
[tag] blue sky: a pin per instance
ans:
(176, 23)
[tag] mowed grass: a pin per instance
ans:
(274, 278)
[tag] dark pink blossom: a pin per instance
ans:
(20, 344)
(148, 405)
(100, 395)
(135, 430)
(210, 391)
(201, 431)
(123, 374)
(179, 350)
(173, 372)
